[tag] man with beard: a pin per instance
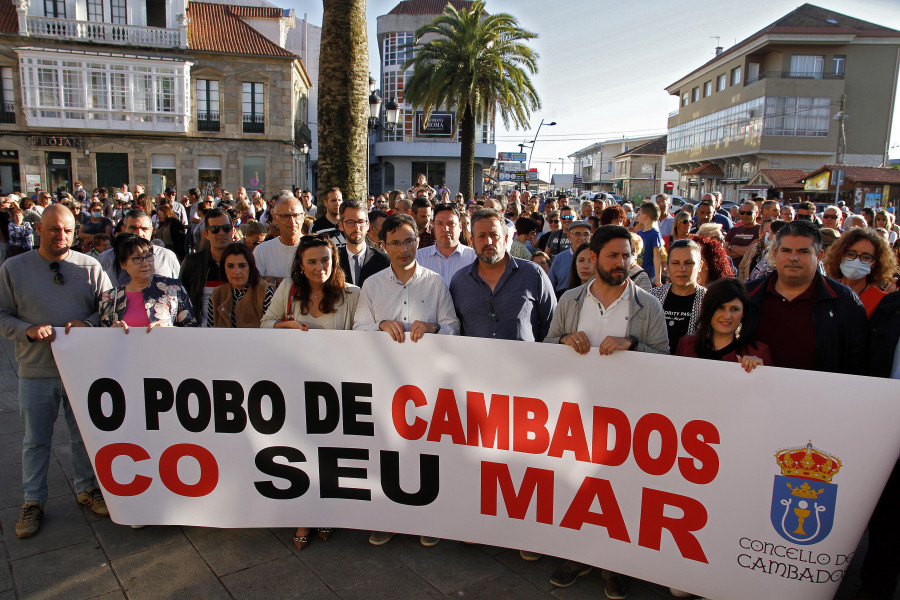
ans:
(358, 259)
(611, 313)
(500, 296)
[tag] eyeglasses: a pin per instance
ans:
(567, 218)
(354, 223)
(58, 278)
(138, 260)
(553, 221)
(397, 244)
(255, 244)
(217, 228)
(295, 216)
(864, 257)
(492, 312)
(745, 212)
(826, 216)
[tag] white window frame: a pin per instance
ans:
(721, 82)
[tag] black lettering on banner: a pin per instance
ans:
(330, 473)
(315, 421)
(429, 478)
(159, 397)
(299, 480)
(352, 408)
(266, 389)
(188, 388)
(228, 400)
(95, 404)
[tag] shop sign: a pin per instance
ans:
(56, 142)
(438, 125)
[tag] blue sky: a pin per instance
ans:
(604, 64)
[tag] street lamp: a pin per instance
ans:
(534, 141)
(391, 117)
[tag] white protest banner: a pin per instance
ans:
(686, 472)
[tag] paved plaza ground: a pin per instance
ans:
(79, 556)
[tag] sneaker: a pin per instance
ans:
(527, 555)
(93, 498)
(428, 542)
(568, 573)
(30, 520)
(614, 586)
(379, 538)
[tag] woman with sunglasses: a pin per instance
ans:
(148, 300)
(681, 229)
(245, 298)
(316, 296)
(862, 260)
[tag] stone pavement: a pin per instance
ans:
(79, 556)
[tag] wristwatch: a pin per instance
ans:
(634, 342)
(437, 327)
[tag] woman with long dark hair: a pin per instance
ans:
(244, 299)
(722, 328)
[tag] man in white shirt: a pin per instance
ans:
(405, 296)
(165, 262)
(275, 257)
(447, 255)
(358, 260)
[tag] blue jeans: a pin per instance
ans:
(39, 400)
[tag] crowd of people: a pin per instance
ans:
(805, 291)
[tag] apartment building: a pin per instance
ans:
(814, 87)
(150, 91)
(398, 156)
(596, 163)
(641, 172)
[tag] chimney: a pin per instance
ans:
(718, 50)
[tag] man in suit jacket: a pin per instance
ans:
(358, 259)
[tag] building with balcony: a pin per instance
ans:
(155, 92)
(596, 163)
(815, 86)
(397, 157)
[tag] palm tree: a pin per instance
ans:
(343, 98)
(478, 64)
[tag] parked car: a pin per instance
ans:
(679, 201)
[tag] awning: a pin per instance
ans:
(756, 188)
(709, 170)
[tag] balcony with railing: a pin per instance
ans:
(105, 33)
(254, 123)
(794, 75)
(207, 121)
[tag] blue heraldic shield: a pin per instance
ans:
(803, 497)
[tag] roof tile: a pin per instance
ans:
(862, 174)
(216, 28)
(785, 178)
(428, 7)
(657, 146)
(707, 169)
(9, 20)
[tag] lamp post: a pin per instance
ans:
(391, 116)
(534, 141)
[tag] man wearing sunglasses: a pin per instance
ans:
(557, 241)
(200, 272)
(275, 257)
(52, 287)
(740, 238)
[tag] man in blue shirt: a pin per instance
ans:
(579, 233)
(500, 296)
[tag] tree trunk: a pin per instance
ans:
(343, 98)
(467, 154)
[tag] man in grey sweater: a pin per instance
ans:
(39, 290)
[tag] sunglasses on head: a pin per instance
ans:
(218, 228)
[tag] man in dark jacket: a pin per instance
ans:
(808, 320)
(200, 271)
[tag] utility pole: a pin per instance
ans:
(841, 150)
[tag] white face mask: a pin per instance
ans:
(768, 238)
(630, 214)
(855, 269)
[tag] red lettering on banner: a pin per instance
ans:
(488, 428)
(701, 450)
(604, 418)
(641, 446)
(168, 470)
(103, 466)
(445, 420)
(494, 475)
(569, 434)
(653, 521)
(580, 512)
(404, 395)
(530, 416)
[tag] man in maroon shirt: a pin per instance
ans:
(808, 320)
(739, 239)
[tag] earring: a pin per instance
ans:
(737, 332)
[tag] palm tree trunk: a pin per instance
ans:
(343, 98)
(467, 154)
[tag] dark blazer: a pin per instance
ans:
(373, 261)
(885, 323)
(194, 270)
